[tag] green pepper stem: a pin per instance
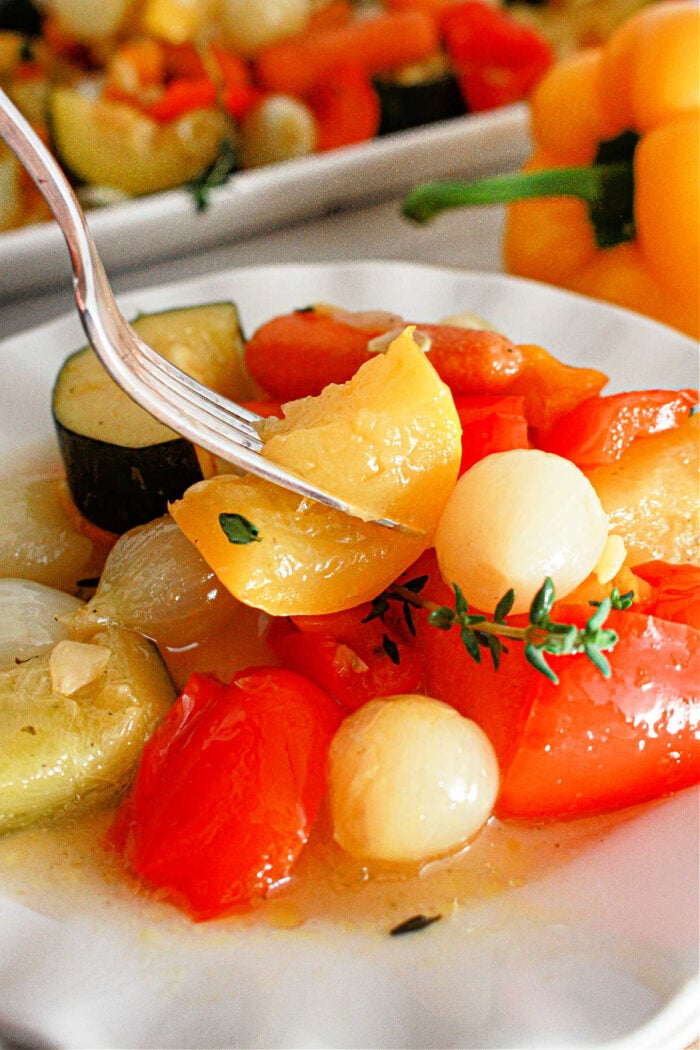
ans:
(590, 184)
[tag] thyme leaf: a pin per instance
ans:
(416, 922)
(619, 601)
(391, 649)
(541, 636)
(238, 529)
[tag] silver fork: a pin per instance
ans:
(187, 406)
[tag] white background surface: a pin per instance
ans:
(468, 239)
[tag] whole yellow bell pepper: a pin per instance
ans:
(615, 170)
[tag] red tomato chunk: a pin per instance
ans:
(590, 744)
(490, 424)
(228, 789)
(352, 658)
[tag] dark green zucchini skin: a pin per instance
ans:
(21, 16)
(116, 487)
(122, 466)
(405, 106)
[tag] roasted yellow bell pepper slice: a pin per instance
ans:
(615, 170)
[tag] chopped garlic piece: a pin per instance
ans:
(73, 665)
(466, 320)
(612, 558)
(381, 343)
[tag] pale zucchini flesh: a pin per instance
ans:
(107, 143)
(122, 465)
(63, 753)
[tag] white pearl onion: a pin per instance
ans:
(278, 128)
(86, 20)
(29, 619)
(515, 518)
(410, 779)
(254, 24)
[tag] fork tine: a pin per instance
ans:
(205, 418)
(171, 379)
(198, 405)
(245, 415)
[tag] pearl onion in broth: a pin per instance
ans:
(410, 779)
(515, 518)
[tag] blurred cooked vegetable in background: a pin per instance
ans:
(615, 172)
(140, 96)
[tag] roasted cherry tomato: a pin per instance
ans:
(228, 789)
(298, 354)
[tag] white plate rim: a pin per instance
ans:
(166, 225)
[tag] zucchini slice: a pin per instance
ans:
(422, 93)
(107, 143)
(73, 722)
(123, 466)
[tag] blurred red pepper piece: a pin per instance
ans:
(497, 60)
(346, 108)
(182, 96)
(238, 93)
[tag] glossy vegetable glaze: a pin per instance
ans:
(583, 745)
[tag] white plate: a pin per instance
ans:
(600, 949)
(167, 225)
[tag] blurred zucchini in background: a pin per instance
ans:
(73, 722)
(122, 465)
(419, 94)
(108, 143)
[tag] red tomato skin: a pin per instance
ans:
(676, 591)
(490, 424)
(599, 429)
(296, 355)
(346, 657)
(473, 360)
(617, 743)
(228, 789)
(588, 745)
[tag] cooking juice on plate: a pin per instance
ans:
(242, 673)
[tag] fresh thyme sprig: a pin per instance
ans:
(217, 174)
(541, 636)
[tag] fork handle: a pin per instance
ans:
(89, 277)
(57, 191)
